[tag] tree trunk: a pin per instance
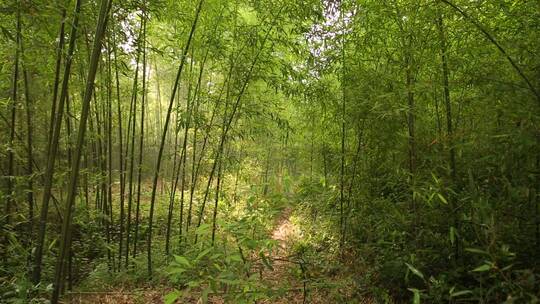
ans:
(449, 129)
(141, 133)
(343, 139)
(29, 151)
(214, 217)
(59, 52)
(228, 124)
(120, 154)
(203, 150)
(52, 148)
(131, 146)
(411, 117)
(164, 136)
(72, 188)
(11, 155)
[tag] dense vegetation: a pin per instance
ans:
(155, 145)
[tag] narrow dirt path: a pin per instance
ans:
(284, 233)
(284, 229)
(284, 275)
(283, 264)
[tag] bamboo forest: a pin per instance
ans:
(269, 151)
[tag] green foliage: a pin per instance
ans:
(401, 136)
(218, 271)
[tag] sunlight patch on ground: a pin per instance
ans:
(285, 230)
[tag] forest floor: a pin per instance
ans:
(282, 276)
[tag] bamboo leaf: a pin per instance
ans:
(172, 297)
(478, 251)
(482, 268)
(182, 260)
(415, 271)
(203, 253)
(441, 197)
(460, 293)
(416, 295)
(452, 235)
